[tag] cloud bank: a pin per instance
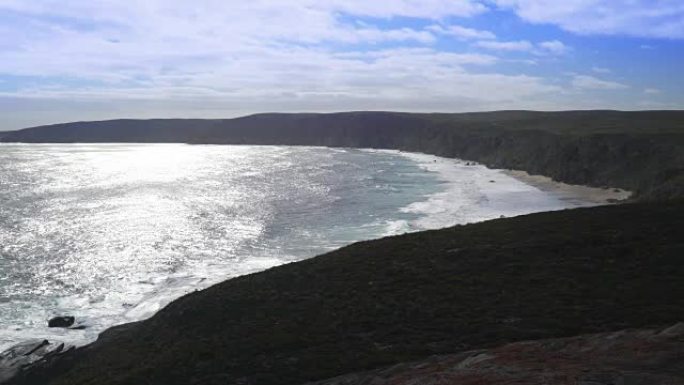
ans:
(67, 60)
(641, 18)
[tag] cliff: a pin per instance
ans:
(640, 151)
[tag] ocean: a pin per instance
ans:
(111, 233)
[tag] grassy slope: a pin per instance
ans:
(396, 299)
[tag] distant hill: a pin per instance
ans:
(642, 151)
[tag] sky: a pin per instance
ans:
(72, 60)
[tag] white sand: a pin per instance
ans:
(475, 193)
(569, 192)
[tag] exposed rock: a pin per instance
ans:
(638, 357)
(24, 354)
(61, 322)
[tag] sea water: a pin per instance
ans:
(110, 233)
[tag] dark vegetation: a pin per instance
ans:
(590, 359)
(640, 151)
(403, 298)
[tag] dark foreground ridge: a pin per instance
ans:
(634, 357)
(639, 151)
(404, 298)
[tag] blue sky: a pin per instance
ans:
(83, 60)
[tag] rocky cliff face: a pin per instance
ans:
(637, 151)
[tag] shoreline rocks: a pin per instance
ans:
(27, 354)
(61, 322)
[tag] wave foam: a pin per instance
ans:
(472, 193)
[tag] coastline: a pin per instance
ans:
(485, 181)
(463, 194)
(640, 151)
(502, 193)
(570, 192)
(438, 211)
(517, 154)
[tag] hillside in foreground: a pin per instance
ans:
(404, 298)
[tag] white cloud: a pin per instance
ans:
(554, 47)
(112, 41)
(261, 55)
(586, 82)
(530, 62)
(643, 18)
(117, 11)
(460, 32)
(428, 9)
(375, 35)
(302, 77)
(214, 58)
(652, 91)
(601, 70)
(424, 56)
(520, 46)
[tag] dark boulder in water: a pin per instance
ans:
(61, 322)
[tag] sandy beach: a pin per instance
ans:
(569, 192)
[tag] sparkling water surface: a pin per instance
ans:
(110, 233)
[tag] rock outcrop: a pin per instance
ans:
(61, 322)
(25, 354)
